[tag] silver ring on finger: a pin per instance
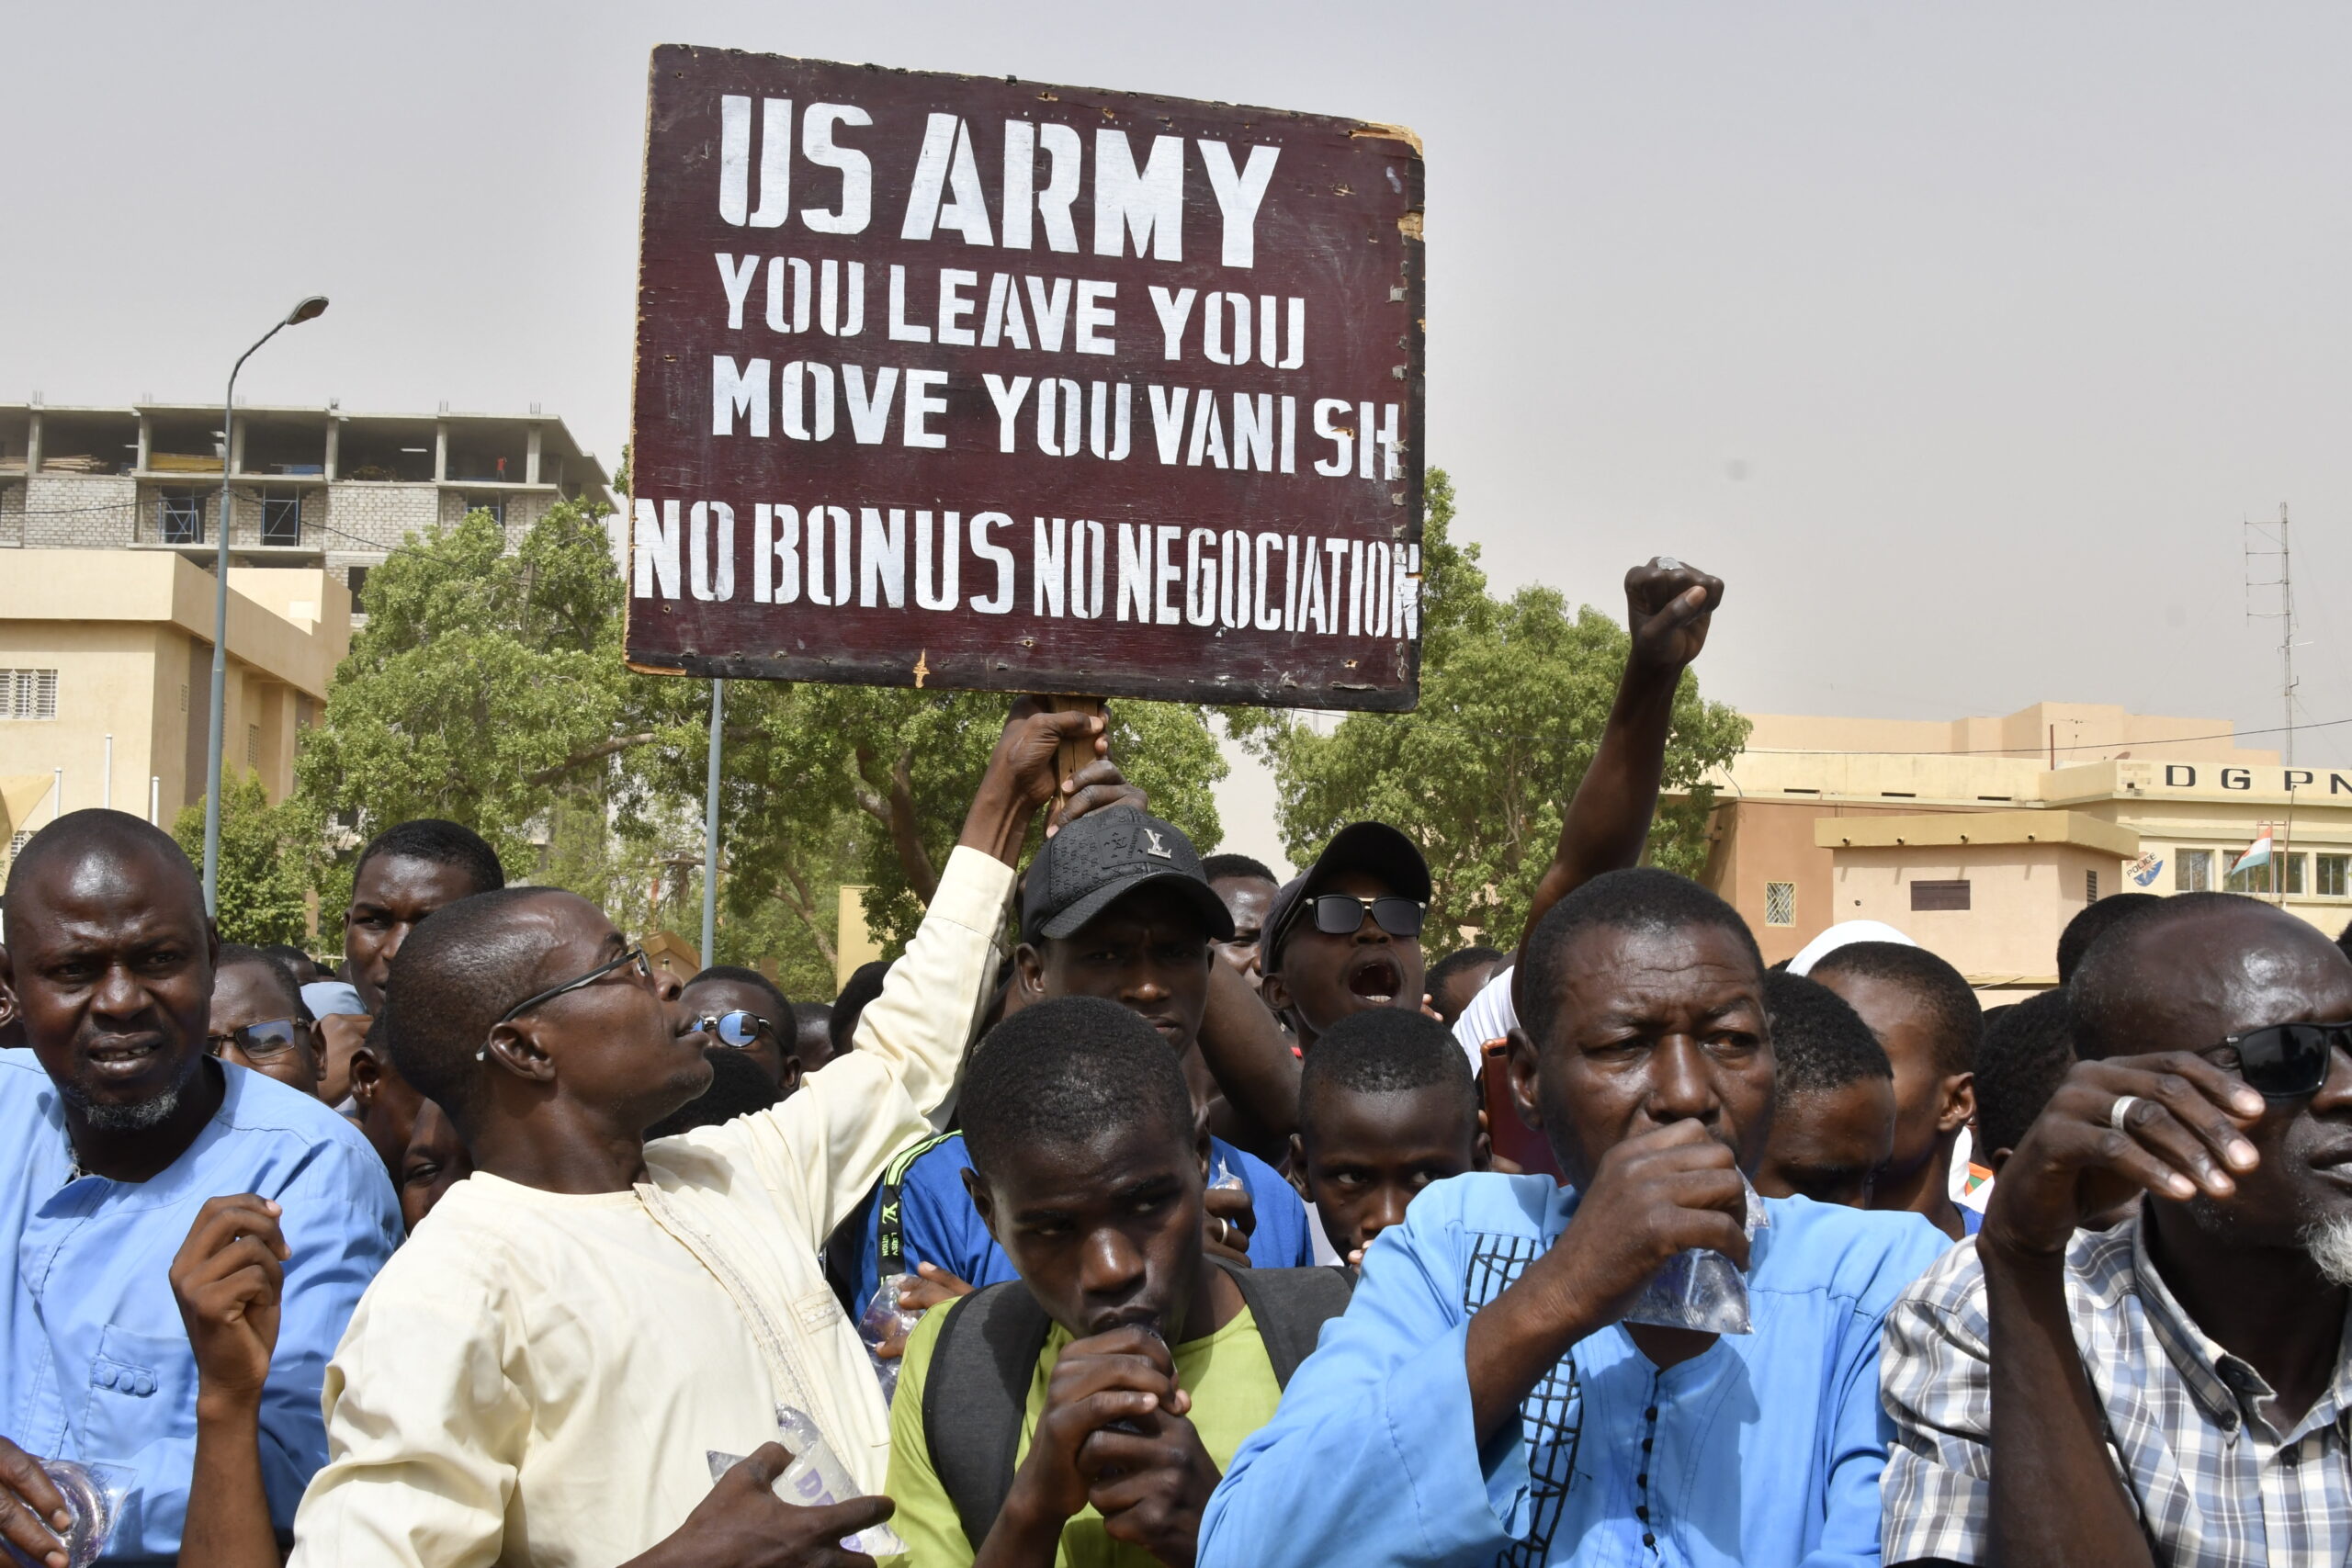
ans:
(2120, 1110)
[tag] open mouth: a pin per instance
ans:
(116, 1058)
(1376, 978)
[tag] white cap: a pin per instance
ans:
(1842, 934)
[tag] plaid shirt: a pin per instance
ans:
(2215, 1484)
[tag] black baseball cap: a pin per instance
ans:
(1103, 856)
(1375, 847)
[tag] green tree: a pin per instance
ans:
(1514, 696)
(823, 785)
(265, 862)
(482, 686)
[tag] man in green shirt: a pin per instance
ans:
(1081, 1416)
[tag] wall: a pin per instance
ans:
(106, 683)
(79, 511)
(2020, 897)
(1757, 841)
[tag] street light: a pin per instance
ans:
(308, 308)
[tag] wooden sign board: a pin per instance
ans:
(961, 382)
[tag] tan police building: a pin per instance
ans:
(1981, 838)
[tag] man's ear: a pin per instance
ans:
(1522, 1064)
(1959, 1108)
(1298, 1168)
(516, 1046)
(1482, 1148)
(1028, 974)
(1275, 994)
(793, 1074)
(367, 1074)
(8, 987)
(1996, 1159)
(983, 1201)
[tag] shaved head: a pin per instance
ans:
(113, 837)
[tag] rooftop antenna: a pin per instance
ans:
(2267, 542)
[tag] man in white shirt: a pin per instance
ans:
(543, 1372)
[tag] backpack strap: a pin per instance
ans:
(976, 1394)
(891, 1236)
(1290, 1307)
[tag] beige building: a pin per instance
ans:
(106, 671)
(1983, 837)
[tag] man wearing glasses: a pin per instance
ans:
(2173, 1389)
(547, 1369)
(259, 1020)
(741, 1011)
(1346, 935)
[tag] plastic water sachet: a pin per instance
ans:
(1700, 1289)
(815, 1479)
(93, 1495)
(883, 1320)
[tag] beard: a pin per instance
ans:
(138, 1116)
(2329, 1242)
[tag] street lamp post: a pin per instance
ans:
(710, 830)
(308, 308)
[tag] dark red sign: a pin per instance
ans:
(983, 384)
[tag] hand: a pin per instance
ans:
(1124, 1375)
(1023, 773)
(743, 1524)
(1654, 1195)
(1150, 1485)
(1667, 607)
(1094, 787)
(1229, 1219)
(931, 1286)
(27, 1496)
(2183, 1137)
(227, 1279)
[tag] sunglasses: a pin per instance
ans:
(2289, 1061)
(261, 1041)
(739, 1030)
(1338, 914)
(635, 955)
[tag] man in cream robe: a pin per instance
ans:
(539, 1374)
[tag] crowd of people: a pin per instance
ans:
(1150, 1209)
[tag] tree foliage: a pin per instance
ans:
(1514, 696)
(265, 862)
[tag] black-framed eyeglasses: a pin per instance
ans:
(1336, 914)
(634, 955)
(738, 1030)
(263, 1041)
(2289, 1061)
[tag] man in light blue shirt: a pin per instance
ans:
(120, 1125)
(1486, 1399)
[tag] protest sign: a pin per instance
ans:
(964, 382)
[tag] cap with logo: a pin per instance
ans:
(1375, 847)
(1103, 856)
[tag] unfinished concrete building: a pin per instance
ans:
(308, 487)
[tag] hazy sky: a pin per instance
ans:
(1958, 338)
